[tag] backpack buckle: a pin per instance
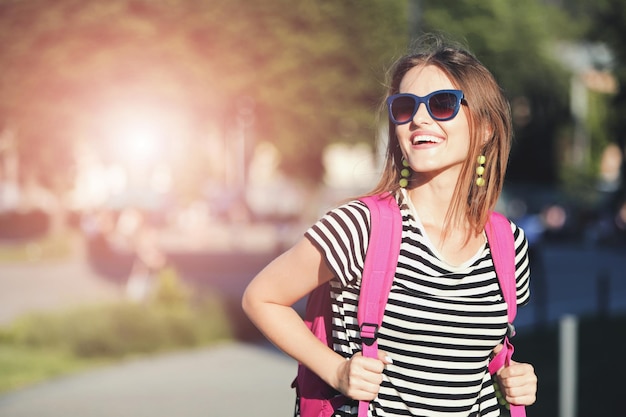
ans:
(510, 330)
(369, 333)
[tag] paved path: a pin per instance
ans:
(230, 380)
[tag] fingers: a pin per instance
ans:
(361, 377)
(518, 382)
(384, 357)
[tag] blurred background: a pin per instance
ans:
(154, 155)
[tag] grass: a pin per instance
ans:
(22, 366)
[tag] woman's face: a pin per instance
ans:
(434, 149)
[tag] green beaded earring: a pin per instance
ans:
(405, 173)
(480, 170)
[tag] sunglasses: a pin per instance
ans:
(442, 105)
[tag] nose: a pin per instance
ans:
(421, 115)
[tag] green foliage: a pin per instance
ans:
(168, 321)
(516, 41)
(311, 72)
(21, 365)
(169, 291)
(597, 121)
(606, 22)
(311, 68)
(513, 39)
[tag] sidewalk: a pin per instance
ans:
(229, 380)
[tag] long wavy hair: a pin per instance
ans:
(488, 113)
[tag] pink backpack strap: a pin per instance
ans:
(378, 271)
(502, 246)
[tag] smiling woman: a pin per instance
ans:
(445, 315)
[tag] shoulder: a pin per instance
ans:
(520, 243)
(351, 213)
(519, 235)
(342, 237)
(343, 223)
(355, 206)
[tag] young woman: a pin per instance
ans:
(449, 141)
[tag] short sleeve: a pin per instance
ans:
(522, 265)
(342, 236)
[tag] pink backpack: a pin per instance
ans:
(317, 399)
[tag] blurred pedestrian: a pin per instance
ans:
(125, 249)
(149, 258)
(449, 142)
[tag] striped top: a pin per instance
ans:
(441, 321)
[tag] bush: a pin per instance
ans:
(168, 320)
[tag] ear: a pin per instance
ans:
(487, 134)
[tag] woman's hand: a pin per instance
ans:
(359, 377)
(518, 382)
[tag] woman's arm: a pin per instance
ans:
(268, 300)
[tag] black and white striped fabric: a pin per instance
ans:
(441, 321)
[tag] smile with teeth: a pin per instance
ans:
(423, 139)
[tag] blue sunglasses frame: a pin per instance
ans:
(458, 95)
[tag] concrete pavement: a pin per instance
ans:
(228, 380)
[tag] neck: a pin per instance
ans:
(432, 201)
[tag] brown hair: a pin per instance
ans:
(488, 113)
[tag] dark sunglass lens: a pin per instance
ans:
(402, 108)
(442, 105)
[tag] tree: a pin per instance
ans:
(606, 22)
(73, 69)
(306, 74)
(515, 41)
